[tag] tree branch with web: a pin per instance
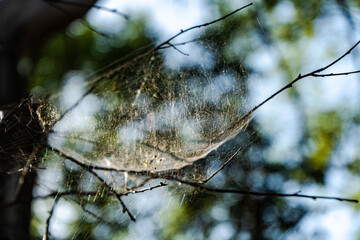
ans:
(113, 72)
(200, 184)
(159, 175)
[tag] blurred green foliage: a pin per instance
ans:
(78, 48)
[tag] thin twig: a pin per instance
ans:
(201, 25)
(55, 194)
(299, 77)
(161, 184)
(200, 186)
(335, 74)
(181, 43)
(227, 162)
(338, 59)
(142, 183)
(125, 209)
(262, 194)
(174, 47)
(223, 166)
(90, 170)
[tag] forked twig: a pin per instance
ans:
(55, 194)
(200, 26)
(117, 196)
(289, 85)
(174, 47)
(337, 60)
(299, 77)
(90, 170)
(179, 44)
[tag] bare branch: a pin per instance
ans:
(181, 43)
(338, 59)
(142, 183)
(90, 170)
(161, 184)
(223, 166)
(125, 209)
(199, 185)
(174, 47)
(335, 74)
(299, 77)
(262, 194)
(200, 26)
(55, 194)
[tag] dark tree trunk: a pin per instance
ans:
(23, 25)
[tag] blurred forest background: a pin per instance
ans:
(305, 139)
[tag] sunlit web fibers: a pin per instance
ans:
(163, 112)
(20, 130)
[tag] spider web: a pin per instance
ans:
(159, 114)
(178, 111)
(173, 113)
